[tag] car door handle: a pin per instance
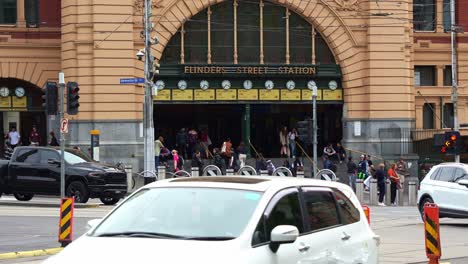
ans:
(303, 248)
(345, 236)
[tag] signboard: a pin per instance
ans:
(333, 95)
(204, 95)
(132, 80)
(19, 102)
(270, 95)
(247, 95)
(249, 69)
(290, 95)
(5, 102)
(307, 95)
(226, 95)
(182, 95)
(64, 126)
(163, 95)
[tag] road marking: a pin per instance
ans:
(29, 254)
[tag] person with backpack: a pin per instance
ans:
(178, 161)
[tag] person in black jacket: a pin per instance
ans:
(219, 161)
(380, 175)
(197, 162)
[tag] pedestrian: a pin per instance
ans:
(341, 152)
(192, 141)
(380, 175)
(158, 145)
(260, 163)
(206, 142)
(176, 160)
(181, 142)
(197, 162)
(218, 161)
(352, 172)
(226, 151)
(327, 164)
(297, 166)
(292, 142)
(14, 137)
(284, 141)
(394, 183)
(233, 161)
(34, 137)
(270, 167)
(242, 152)
(402, 171)
(53, 140)
(329, 151)
(164, 156)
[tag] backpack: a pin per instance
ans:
(180, 163)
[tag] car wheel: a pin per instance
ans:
(78, 190)
(23, 196)
(109, 199)
(421, 205)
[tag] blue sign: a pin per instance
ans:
(132, 80)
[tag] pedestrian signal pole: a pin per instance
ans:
(453, 35)
(62, 135)
(314, 127)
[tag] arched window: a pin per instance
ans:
(247, 32)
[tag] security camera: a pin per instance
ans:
(140, 54)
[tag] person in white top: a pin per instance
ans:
(14, 137)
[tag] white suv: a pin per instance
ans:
(447, 186)
(231, 220)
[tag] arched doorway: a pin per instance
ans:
(242, 70)
(21, 107)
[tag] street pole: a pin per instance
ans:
(453, 35)
(314, 127)
(148, 105)
(62, 135)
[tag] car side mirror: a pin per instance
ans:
(282, 234)
(54, 162)
(463, 182)
(93, 223)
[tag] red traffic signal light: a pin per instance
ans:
(453, 137)
(443, 149)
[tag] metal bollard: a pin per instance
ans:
(400, 197)
(161, 172)
(373, 192)
(129, 172)
(300, 174)
(388, 197)
(229, 172)
(412, 193)
(263, 173)
(360, 190)
(195, 172)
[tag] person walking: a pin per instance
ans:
(297, 166)
(226, 151)
(242, 152)
(341, 152)
(176, 160)
(327, 164)
(329, 151)
(181, 142)
(284, 141)
(352, 172)
(197, 162)
(218, 161)
(292, 142)
(34, 137)
(380, 175)
(394, 183)
(206, 142)
(53, 140)
(158, 145)
(14, 137)
(192, 142)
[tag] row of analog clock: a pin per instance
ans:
(5, 92)
(226, 84)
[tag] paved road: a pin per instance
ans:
(401, 230)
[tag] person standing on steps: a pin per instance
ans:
(380, 175)
(394, 183)
(284, 142)
(341, 152)
(292, 142)
(14, 137)
(352, 172)
(158, 145)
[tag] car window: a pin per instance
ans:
(446, 174)
(286, 211)
(47, 155)
(28, 156)
(434, 174)
(349, 213)
(321, 209)
(460, 175)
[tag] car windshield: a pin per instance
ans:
(184, 213)
(75, 158)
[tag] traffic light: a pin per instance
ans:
(50, 98)
(453, 144)
(73, 97)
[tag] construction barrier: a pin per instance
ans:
(66, 221)
(366, 212)
(431, 232)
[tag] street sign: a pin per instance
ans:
(283, 172)
(64, 126)
(212, 170)
(132, 80)
(247, 171)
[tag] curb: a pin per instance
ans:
(30, 254)
(45, 205)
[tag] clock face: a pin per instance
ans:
(204, 84)
(19, 91)
(182, 84)
(160, 84)
(4, 91)
(269, 84)
(332, 85)
(247, 84)
(290, 85)
(311, 85)
(226, 84)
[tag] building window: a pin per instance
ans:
(274, 33)
(448, 75)
(424, 76)
(447, 21)
(8, 12)
(424, 16)
(448, 115)
(171, 54)
(222, 33)
(196, 38)
(300, 32)
(31, 8)
(428, 116)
